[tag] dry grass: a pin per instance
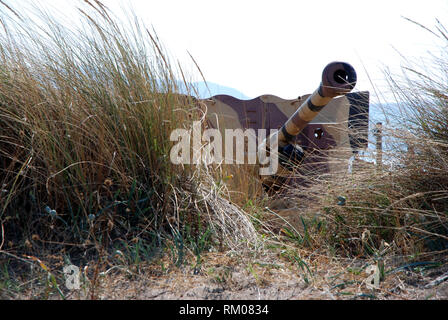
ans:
(86, 115)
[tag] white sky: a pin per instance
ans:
(281, 47)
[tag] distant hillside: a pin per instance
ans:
(213, 90)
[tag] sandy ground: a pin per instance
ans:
(225, 278)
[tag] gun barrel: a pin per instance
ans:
(338, 78)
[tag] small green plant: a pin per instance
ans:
(294, 257)
(178, 249)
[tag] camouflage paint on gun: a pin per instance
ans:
(338, 78)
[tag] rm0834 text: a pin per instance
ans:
(245, 309)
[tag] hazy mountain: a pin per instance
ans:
(212, 89)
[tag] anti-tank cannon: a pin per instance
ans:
(332, 121)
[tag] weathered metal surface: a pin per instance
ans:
(342, 124)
